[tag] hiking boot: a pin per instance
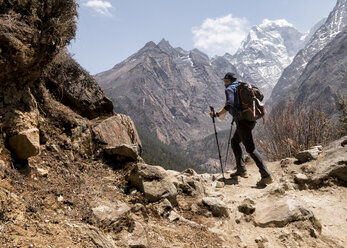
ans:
(239, 174)
(265, 181)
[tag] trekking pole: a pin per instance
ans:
(215, 132)
(229, 142)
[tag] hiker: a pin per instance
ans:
(243, 132)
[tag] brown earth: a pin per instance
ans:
(49, 204)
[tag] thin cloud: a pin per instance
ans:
(220, 35)
(101, 7)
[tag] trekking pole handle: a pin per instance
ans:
(212, 110)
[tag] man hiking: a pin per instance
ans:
(243, 132)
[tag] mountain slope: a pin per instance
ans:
(324, 79)
(287, 85)
(166, 91)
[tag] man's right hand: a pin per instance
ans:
(215, 115)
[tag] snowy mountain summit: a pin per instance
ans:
(267, 50)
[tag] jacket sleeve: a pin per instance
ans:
(230, 98)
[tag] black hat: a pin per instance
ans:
(231, 76)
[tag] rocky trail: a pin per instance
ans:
(58, 202)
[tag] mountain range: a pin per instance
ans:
(167, 91)
(288, 85)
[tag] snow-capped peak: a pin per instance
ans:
(267, 50)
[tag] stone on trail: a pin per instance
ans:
(110, 212)
(189, 172)
(308, 155)
(42, 172)
(174, 216)
(164, 207)
(137, 238)
(279, 213)
(217, 206)
(247, 206)
(153, 182)
(25, 144)
(219, 185)
(300, 179)
(95, 235)
(188, 182)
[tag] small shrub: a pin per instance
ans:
(342, 106)
(291, 128)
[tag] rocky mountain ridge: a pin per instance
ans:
(194, 80)
(324, 79)
(165, 90)
(288, 84)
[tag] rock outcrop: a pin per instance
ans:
(117, 135)
(25, 50)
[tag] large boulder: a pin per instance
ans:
(118, 136)
(333, 164)
(25, 144)
(153, 182)
(124, 150)
(280, 213)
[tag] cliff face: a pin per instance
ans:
(30, 39)
(42, 87)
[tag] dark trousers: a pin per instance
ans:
(243, 134)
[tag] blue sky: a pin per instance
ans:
(109, 31)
